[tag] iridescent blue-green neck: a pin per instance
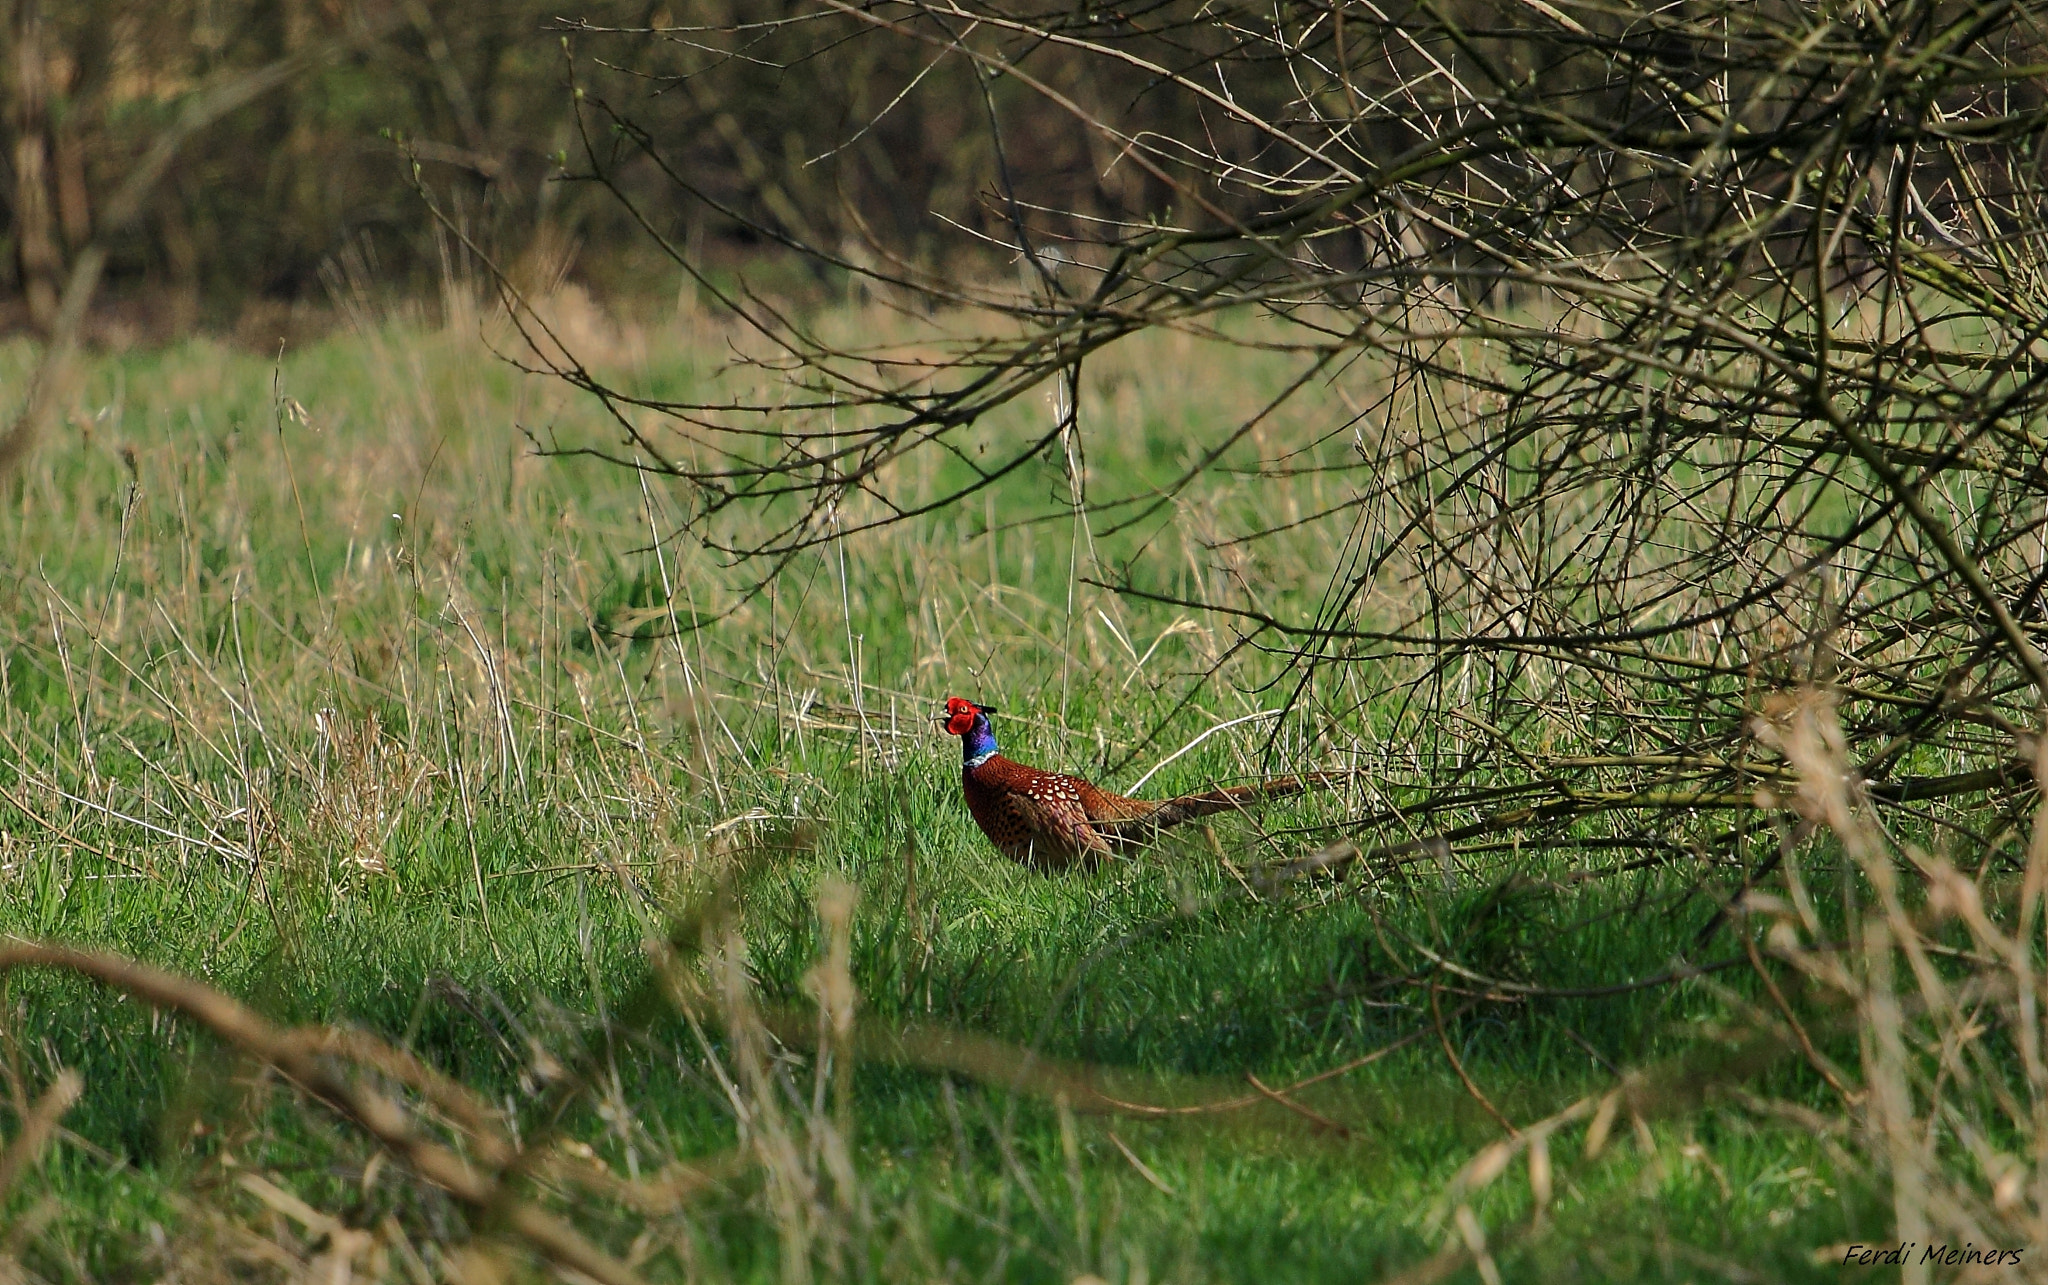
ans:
(978, 745)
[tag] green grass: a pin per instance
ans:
(367, 717)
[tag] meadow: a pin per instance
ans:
(321, 688)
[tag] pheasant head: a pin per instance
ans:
(969, 722)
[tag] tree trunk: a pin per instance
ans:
(40, 263)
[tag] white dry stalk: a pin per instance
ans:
(831, 984)
(791, 1186)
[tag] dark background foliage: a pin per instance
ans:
(308, 186)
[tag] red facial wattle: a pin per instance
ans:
(960, 715)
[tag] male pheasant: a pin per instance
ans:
(1050, 821)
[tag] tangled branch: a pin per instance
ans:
(1688, 350)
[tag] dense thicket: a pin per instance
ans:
(1690, 351)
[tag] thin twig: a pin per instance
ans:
(1436, 1012)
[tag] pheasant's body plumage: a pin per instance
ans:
(1049, 820)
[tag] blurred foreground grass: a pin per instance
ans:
(320, 688)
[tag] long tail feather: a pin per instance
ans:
(1187, 807)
